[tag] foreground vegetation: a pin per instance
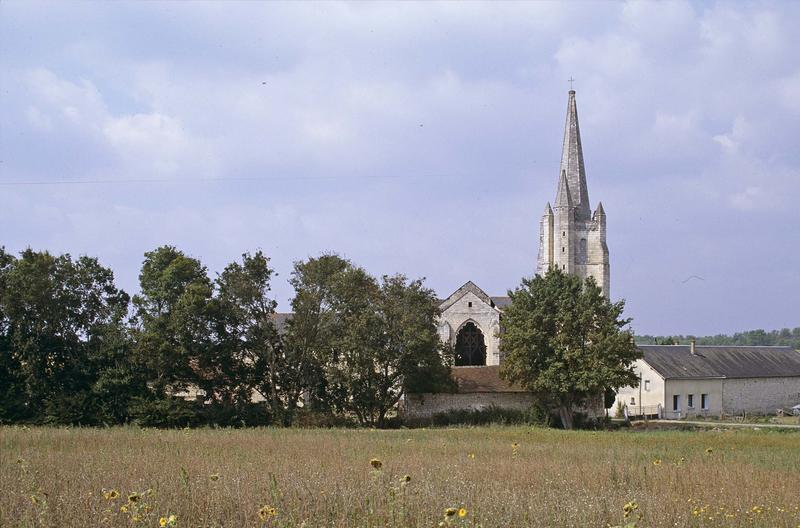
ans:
(513, 476)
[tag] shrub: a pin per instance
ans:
(492, 414)
(166, 412)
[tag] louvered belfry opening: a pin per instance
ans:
(470, 346)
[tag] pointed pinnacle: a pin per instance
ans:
(600, 210)
(563, 197)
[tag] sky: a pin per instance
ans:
(421, 138)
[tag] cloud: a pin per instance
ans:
(421, 138)
(158, 139)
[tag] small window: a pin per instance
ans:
(647, 385)
(563, 233)
(563, 249)
(704, 402)
(563, 266)
(469, 304)
(690, 401)
(633, 400)
(676, 402)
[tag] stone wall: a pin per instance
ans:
(760, 395)
(418, 406)
(575, 246)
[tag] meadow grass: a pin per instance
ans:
(499, 476)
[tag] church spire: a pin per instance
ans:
(572, 161)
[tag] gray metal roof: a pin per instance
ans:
(677, 361)
(501, 302)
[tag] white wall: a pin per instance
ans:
(652, 393)
(697, 387)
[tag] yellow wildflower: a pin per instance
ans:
(657, 462)
(471, 455)
(266, 512)
(449, 512)
(123, 508)
(462, 512)
(376, 463)
(134, 497)
(709, 450)
(111, 494)
(406, 478)
(162, 521)
(213, 477)
(630, 508)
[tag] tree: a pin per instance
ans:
(251, 357)
(311, 330)
(411, 357)
(565, 342)
(365, 341)
(12, 387)
(60, 320)
(175, 323)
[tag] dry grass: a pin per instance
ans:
(56, 477)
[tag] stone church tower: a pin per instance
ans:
(573, 238)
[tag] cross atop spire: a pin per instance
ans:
(572, 161)
(570, 81)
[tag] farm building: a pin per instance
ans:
(680, 381)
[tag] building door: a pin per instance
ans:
(470, 346)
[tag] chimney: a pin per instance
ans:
(692, 349)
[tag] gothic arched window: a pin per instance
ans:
(470, 346)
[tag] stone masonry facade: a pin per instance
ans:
(572, 238)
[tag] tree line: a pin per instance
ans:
(191, 350)
(783, 337)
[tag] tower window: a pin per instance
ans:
(562, 249)
(563, 266)
(469, 304)
(563, 233)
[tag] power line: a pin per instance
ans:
(192, 180)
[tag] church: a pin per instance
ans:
(572, 238)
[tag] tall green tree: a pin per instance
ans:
(369, 341)
(566, 342)
(174, 322)
(312, 329)
(251, 359)
(12, 387)
(61, 320)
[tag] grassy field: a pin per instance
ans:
(500, 477)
